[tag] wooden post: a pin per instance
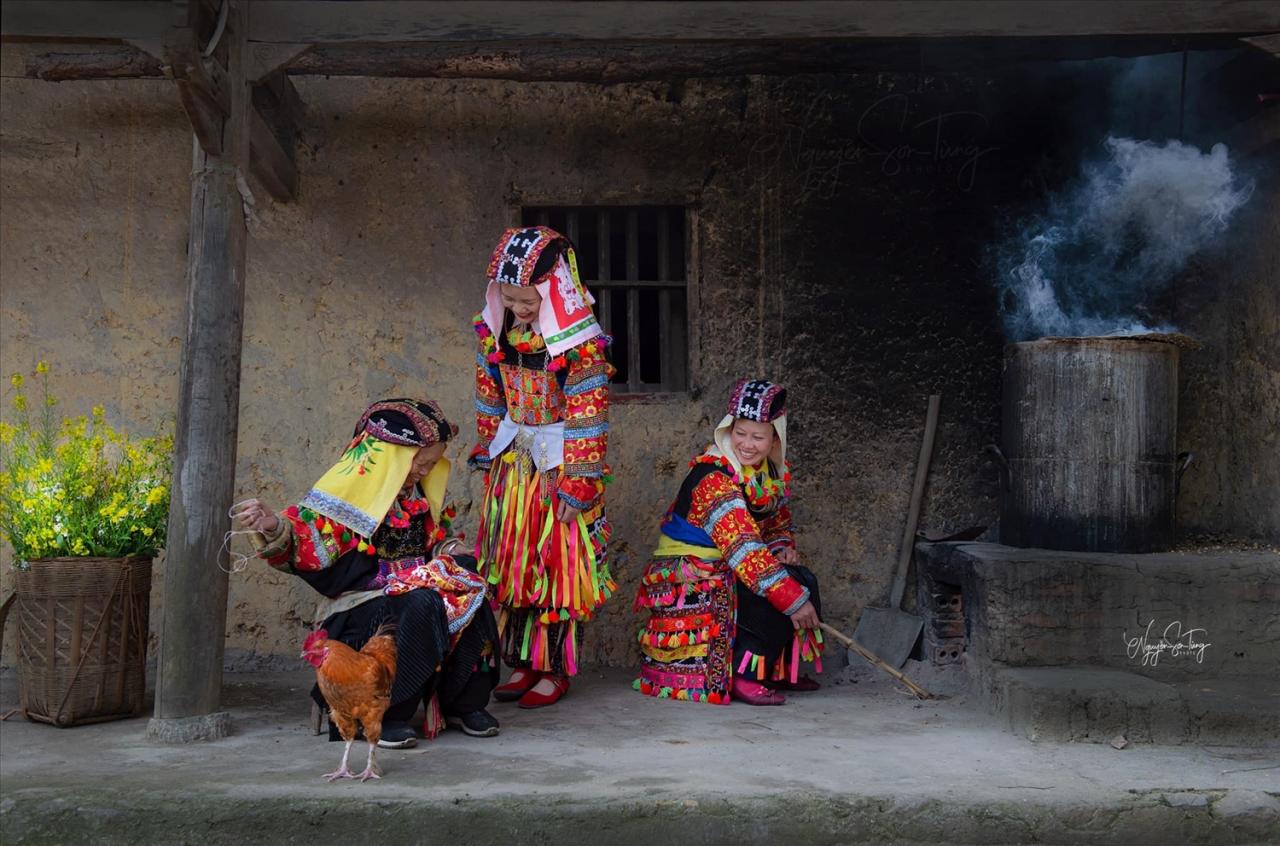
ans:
(193, 626)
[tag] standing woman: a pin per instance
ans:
(731, 613)
(542, 416)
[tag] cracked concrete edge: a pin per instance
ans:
(34, 816)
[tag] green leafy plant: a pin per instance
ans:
(78, 487)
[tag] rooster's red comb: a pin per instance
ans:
(315, 637)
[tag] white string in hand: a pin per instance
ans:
(238, 561)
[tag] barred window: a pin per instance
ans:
(633, 259)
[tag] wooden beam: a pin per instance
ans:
(116, 62)
(270, 163)
(337, 22)
(1266, 43)
(206, 103)
(583, 61)
(304, 22)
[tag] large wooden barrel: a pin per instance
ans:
(1089, 432)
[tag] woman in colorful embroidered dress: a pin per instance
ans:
(374, 536)
(730, 611)
(542, 405)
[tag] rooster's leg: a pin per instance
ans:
(371, 768)
(341, 771)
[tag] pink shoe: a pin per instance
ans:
(754, 693)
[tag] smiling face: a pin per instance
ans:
(522, 302)
(423, 461)
(751, 440)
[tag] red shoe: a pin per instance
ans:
(754, 693)
(521, 682)
(802, 684)
(533, 699)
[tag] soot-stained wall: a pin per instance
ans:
(839, 230)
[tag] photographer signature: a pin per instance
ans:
(886, 135)
(938, 136)
(1173, 640)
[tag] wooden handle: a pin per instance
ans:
(920, 692)
(917, 494)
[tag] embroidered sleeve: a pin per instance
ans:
(778, 530)
(489, 403)
(317, 542)
(586, 425)
(719, 510)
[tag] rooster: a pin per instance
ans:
(357, 686)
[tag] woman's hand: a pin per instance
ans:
(565, 512)
(255, 516)
(806, 617)
(787, 555)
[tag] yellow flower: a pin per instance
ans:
(98, 412)
(78, 548)
(19, 402)
(16, 380)
(6, 433)
(42, 367)
(51, 401)
(86, 491)
(44, 467)
(157, 495)
(147, 531)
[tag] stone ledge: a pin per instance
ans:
(102, 817)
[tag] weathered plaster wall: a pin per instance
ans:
(1229, 414)
(840, 224)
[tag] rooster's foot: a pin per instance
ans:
(341, 772)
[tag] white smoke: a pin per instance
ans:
(1101, 251)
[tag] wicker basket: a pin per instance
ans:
(82, 638)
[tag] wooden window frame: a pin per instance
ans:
(632, 391)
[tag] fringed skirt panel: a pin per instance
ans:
(548, 577)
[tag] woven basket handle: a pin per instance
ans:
(4, 616)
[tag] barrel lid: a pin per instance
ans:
(1177, 339)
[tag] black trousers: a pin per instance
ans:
(462, 678)
(764, 630)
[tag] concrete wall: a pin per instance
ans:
(840, 227)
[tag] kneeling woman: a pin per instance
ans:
(730, 612)
(372, 536)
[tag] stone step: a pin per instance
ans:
(1097, 704)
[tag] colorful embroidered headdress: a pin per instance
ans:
(408, 422)
(763, 402)
(565, 319)
(361, 488)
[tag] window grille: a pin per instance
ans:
(632, 258)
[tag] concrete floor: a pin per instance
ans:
(850, 763)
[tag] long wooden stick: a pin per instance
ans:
(917, 494)
(920, 692)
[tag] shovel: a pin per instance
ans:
(891, 632)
